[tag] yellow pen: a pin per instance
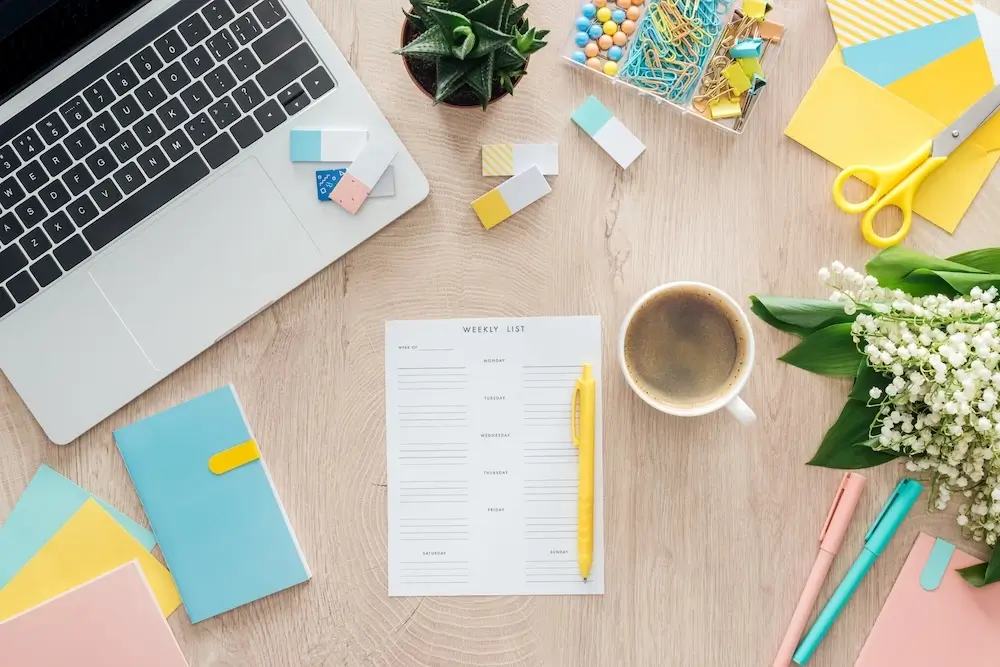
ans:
(584, 401)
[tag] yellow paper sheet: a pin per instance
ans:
(90, 544)
(848, 120)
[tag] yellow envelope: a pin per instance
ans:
(848, 120)
(90, 544)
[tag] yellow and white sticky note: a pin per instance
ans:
(327, 145)
(609, 132)
(512, 159)
(364, 173)
(511, 196)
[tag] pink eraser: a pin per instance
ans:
(350, 193)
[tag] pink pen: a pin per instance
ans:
(830, 540)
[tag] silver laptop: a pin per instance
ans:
(148, 205)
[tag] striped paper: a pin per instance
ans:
(860, 21)
(498, 160)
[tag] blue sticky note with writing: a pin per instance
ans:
(223, 531)
(49, 502)
(326, 181)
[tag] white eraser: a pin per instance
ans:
(512, 159)
(327, 145)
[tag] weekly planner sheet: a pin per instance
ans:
(482, 471)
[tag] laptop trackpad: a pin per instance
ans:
(206, 266)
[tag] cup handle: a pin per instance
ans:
(741, 411)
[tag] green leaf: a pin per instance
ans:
(846, 445)
(798, 316)
(431, 44)
(448, 20)
(893, 265)
(508, 58)
(449, 76)
(984, 574)
(465, 40)
(984, 259)
(830, 351)
(961, 283)
(488, 40)
(514, 18)
(867, 378)
(480, 79)
(492, 13)
(525, 41)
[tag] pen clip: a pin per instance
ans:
(835, 506)
(888, 504)
(573, 412)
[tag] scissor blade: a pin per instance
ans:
(953, 135)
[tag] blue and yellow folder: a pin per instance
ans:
(212, 505)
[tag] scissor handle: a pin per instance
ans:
(883, 179)
(901, 197)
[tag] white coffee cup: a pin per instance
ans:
(729, 398)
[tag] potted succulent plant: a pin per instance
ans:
(468, 53)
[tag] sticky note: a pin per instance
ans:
(361, 177)
(756, 9)
(327, 145)
(610, 134)
(512, 159)
(326, 181)
(750, 67)
(738, 81)
(90, 544)
(747, 48)
(725, 108)
(511, 196)
(46, 504)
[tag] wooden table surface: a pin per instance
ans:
(710, 527)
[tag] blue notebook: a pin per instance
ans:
(212, 505)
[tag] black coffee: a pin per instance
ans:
(684, 347)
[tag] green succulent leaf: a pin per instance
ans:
(847, 445)
(830, 351)
(492, 13)
(488, 40)
(508, 58)
(448, 20)
(430, 44)
(798, 316)
(449, 77)
(480, 80)
(515, 16)
(465, 42)
(985, 573)
(984, 259)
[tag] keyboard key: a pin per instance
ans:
(241, 5)
(106, 194)
(219, 150)
(155, 194)
(246, 29)
(196, 97)
(6, 303)
(224, 113)
(218, 14)
(298, 104)
(174, 78)
(246, 132)
(277, 41)
(176, 146)
(45, 271)
(56, 160)
(194, 29)
(200, 129)
(220, 81)
(8, 161)
(123, 79)
(71, 252)
(32, 176)
(153, 162)
(150, 94)
(78, 179)
(221, 45)
(82, 211)
(10, 229)
(126, 110)
(146, 62)
(244, 64)
(35, 243)
(103, 127)
(80, 143)
(10, 193)
(149, 130)
(318, 82)
(125, 146)
(293, 99)
(99, 95)
(170, 46)
(270, 115)
(31, 212)
(269, 12)
(248, 95)
(54, 195)
(52, 128)
(28, 145)
(172, 113)
(22, 287)
(197, 62)
(75, 112)
(58, 227)
(12, 260)
(287, 68)
(129, 178)
(101, 163)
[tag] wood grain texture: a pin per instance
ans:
(711, 528)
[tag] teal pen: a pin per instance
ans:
(885, 526)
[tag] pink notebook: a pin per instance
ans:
(933, 618)
(112, 621)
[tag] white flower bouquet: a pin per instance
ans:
(921, 338)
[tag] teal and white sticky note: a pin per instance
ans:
(609, 132)
(49, 502)
(327, 145)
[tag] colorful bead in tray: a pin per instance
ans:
(603, 31)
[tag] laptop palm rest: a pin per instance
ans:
(206, 266)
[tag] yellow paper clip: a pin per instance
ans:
(234, 457)
(725, 108)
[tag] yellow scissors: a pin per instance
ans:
(897, 184)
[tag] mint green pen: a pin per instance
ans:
(885, 526)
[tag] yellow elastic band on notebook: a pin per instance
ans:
(234, 457)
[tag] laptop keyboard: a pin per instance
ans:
(163, 109)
